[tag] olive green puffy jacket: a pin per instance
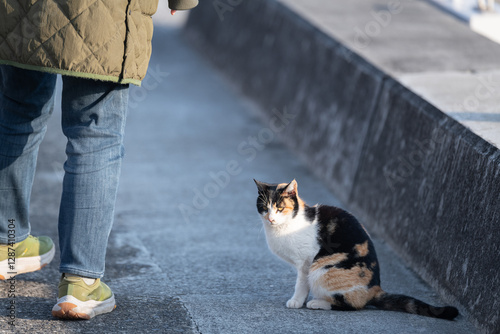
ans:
(100, 39)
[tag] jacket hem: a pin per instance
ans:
(72, 73)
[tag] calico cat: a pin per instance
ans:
(333, 254)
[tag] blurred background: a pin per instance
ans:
(482, 15)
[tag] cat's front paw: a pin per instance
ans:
(294, 303)
(319, 304)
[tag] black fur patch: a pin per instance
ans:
(340, 304)
(402, 303)
(310, 213)
(348, 233)
(261, 204)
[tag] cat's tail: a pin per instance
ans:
(402, 303)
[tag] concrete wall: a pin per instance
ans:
(412, 174)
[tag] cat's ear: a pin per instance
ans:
(261, 186)
(291, 189)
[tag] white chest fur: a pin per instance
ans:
(295, 241)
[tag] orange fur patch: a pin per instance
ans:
(359, 298)
(362, 249)
(330, 260)
(336, 279)
(287, 205)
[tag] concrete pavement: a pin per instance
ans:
(187, 253)
(397, 112)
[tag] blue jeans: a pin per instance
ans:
(93, 120)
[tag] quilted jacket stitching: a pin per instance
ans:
(89, 49)
(118, 34)
(44, 51)
(81, 37)
(86, 9)
(48, 54)
(42, 44)
(6, 41)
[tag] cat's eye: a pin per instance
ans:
(280, 209)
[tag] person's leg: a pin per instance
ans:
(26, 103)
(93, 120)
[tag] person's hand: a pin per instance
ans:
(172, 11)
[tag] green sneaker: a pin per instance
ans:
(77, 300)
(29, 255)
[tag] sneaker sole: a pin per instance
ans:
(26, 264)
(68, 307)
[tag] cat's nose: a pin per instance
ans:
(271, 220)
